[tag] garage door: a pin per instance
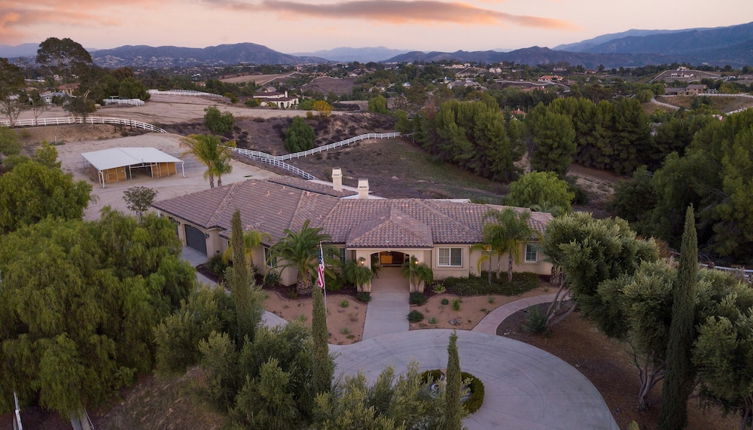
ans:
(195, 239)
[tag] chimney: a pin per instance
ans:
(363, 188)
(337, 179)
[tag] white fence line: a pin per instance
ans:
(80, 120)
(184, 93)
(277, 160)
(130, 102)
(746, 273)
(339, 144)
(267, 159)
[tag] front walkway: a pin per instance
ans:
(194, 258)
(388, 309)
(526, 388)
(490, 322)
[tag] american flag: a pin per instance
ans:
(320, 268)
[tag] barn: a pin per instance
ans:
(120, 164)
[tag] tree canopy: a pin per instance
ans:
(32, 191)
(78, 301)
(541, 191)
(299, 136)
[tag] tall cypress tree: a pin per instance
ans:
(678, 383)
(454, 408)
(322, 369)
(247, 301)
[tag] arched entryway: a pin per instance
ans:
(389, 275)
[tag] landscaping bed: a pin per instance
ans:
(608, 365)
(345, 314)
(475, 386)
(449, 310)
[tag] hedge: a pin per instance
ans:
(479, 285)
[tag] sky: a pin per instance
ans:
(307, 25)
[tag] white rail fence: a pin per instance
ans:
(185, 93)
(746, 274)
(80, 120)
(127, 102)
(277, 160)
(268, 159)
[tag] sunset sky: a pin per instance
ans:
(305, 25)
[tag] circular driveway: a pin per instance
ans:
(526, 388)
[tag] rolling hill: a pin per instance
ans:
(170, 56)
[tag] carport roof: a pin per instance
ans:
(121, 157)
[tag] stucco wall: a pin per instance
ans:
(500, 263)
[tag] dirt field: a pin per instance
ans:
(722, 104)
(73, 133)
(607, 364)
(326, 85)
(399, 169)
(345, 323)
(163, 109)
(268, 135)
(472, 309)
(257, 79)
(171, 186)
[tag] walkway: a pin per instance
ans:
(493, 319)
(526, 387)
(388, 309)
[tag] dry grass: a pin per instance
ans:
(257, 79)
(721, 104)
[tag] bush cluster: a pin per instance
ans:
(417, 298)
(415, 316)
(475, 386)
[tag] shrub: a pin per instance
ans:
(415, 316)
(456, 305)
(535, 322)
(439, 288)
(417, 298)
(432, 320)
(271, 279)
(218, 122)
(344, 303)
(252, 103)
(475, 386)
(477, 286)
(363, 296)
(445, 301)
(217, 265)
(299, 136)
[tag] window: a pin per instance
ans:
(532, 253)
(269, 259)
(450, 257)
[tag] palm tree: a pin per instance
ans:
(357, 273)
(300, 250)
(210, 151)
(488, 251)
(506, 231)
(251, 240)
(416, 272)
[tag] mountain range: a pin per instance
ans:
(362, 55)
(171, 56)
(721, 46)
(731, 45)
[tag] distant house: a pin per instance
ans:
(371, 231)
(551, 78)
(690, 90)
(68, 89)
(271, 97)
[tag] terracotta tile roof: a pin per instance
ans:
(315, 187)
(272, 207)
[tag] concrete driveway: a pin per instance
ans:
(388, 308)
(526, 387)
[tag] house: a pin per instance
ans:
(371, 231)
(271, 97)
(551, 78)
(690, 90)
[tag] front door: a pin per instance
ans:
(195, 239)
(391, 259)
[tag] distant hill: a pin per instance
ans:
(533, 56)
(169, 56)
(720, 46)
(23, 50)
(362, 55)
